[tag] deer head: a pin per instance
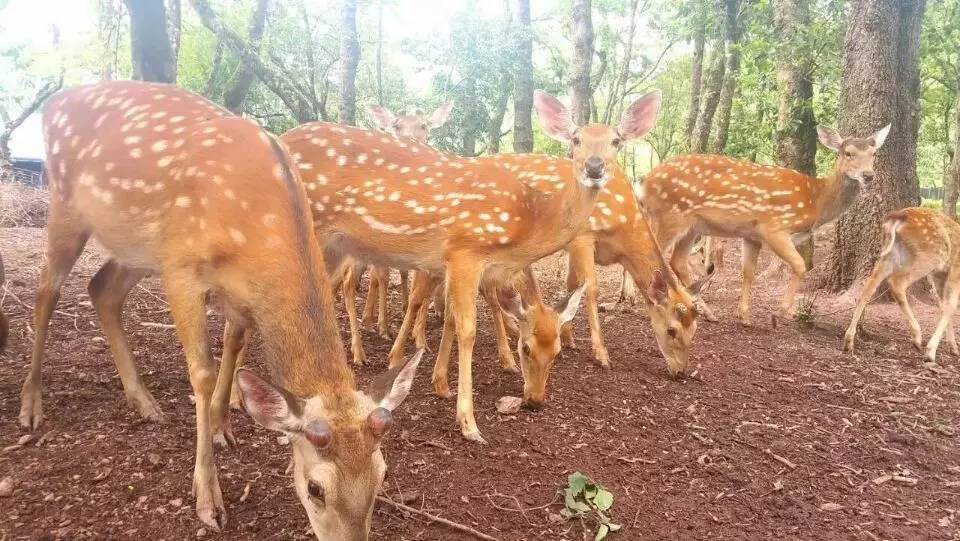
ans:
(338, 465)
(539, 342)
(855, 156)
(673, 317)
(415, 125)
(594, 148)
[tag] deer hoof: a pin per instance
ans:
(475, 437)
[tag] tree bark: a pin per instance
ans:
(379, 65)
(523, 87)
(951, 183)
(174, 27)
(796, 135)
(696, 77)
(880, 84)
(580, 89)
(731, 73)
(150, 48)
(349, 59)
(234, 97)
(498, 113)
(284, 88)
(618, 89)
(710, 98)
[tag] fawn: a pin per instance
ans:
(171, 184)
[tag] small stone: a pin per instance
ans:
(154, 458)
(830, 506)
(6, 487)
(177, 502)
(202, 532)
(508, 405)
(25, 439)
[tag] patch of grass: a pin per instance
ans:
(806, 313)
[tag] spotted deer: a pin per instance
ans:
(919, 242)
(414, 125)
(694, 195)
(402, 204)
(170, 184)
(4, 322)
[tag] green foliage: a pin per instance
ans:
(932, 204)
(806, 312)
(584, 499)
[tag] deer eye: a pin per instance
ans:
(575, 141)
(526, 349)
(672, 331)
(617, 142)
(424, 126)
(315, 490)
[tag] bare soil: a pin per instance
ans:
(872, 437)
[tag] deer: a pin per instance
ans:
(691, 195)
(172, 185)
(4, 322)
(402, 204)
(415, 125)
(919, 242)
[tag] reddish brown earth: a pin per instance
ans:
(685, 459)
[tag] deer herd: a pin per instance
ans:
(268, 228)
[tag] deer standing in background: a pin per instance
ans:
(921, 242)
(170, 184)
(415, 126)
(694, 195)
(473, 220)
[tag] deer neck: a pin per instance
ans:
(833, 194)
(559, 216)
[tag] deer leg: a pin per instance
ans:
(422, 285)
(373, 288)
(226, 394)
(439, 301)
(463, 279)
(881, 270)
(951, 294)
(628, 289)
(782, 244)
(349, 290)
(441, 367)
(383, 324)
(582, 256)
(420, 326)
(108, 290)
(751, 249)
(504, 353)
(567, 339)
(189, 315)
(405, 288)
(899, 282)
(65, 243)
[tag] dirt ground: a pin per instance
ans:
(868, 441)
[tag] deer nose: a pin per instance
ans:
(868, 175)
(593, 167)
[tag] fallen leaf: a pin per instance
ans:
(830, 506)
(6, 487)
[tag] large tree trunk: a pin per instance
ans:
(150, 47)
(951, 181)
(880, 84)
(731, 73)
(710, 98)
(523, 86)
(174, 27)
(582, 61)
(379, 60)
(499, 111)
(235, 96)
(696, 78)
(349, 59)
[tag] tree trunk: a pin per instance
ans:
(174, 27)
(796, 135)
(349, 59)
(696, 79)
(379, 61)
(237, 93)
(470, 116)
(710, 98)
(499, 111)
(582, 61)
(150, 48)
(880, 84)
(731, 73)
(618, 89)
(951, 181)
(523, 87)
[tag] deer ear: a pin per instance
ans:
(880, 136)
(658, 288)
(393, 386)
(383, 117)
(829, 138)
(270, 406)
(641, 116)
(554, 116)
(700, 285)
(440, 115)
(568, 307)
(511, 303)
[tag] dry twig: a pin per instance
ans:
(433, 518)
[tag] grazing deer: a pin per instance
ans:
(170, 184)
(402, 204)
(417, 126)
(4, 322)
(921, 242)
(694, 195)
